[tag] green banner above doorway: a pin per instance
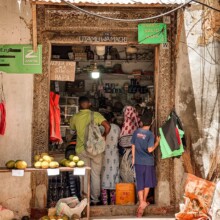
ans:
(152, 33)
(20, 59)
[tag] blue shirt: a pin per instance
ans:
(143, 139)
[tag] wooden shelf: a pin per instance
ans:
(96, 61)
(112, 76)
(122, 60)
(30, 169)
(68, 105)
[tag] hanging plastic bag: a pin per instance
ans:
(71, 207)
(2, 109)
(198, 198)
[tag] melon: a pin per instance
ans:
(65, 217)
(72, 164)
(75, 159)
(37, 157)
(10, 164)
(47, 158)
(45, 218)
(67, 163)
(37, 164)
(44, 164)
(62, 162)
(80, 163)
(20, 164)
(71, 157)
(54, 164)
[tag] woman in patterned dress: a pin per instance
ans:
(110, 172)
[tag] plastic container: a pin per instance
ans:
(125, 194)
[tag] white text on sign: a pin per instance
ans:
(17, 172)
(79, 171)
(53, 172)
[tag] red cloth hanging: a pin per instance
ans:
(178, 136)
(2, 118)
(55, 134)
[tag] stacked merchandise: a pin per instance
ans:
(62, 186)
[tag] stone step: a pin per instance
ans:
(119, 210)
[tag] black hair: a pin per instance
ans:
(108, 116)
(83, 99)
(147, 119)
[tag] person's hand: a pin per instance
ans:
(132, 161)
(158, 139)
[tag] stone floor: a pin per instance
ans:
(130, 218)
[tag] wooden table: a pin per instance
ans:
(64, 169)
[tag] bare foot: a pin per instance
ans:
(141, 208)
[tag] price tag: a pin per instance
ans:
(17, 172)
(53, 172)
(79, 171)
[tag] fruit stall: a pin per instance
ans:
(54, 169)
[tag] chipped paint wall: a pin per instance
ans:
(15, 192)
(198, 87)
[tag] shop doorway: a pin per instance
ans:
(126, 78)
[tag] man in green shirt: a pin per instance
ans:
(79, 123)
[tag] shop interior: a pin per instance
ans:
(112, 76)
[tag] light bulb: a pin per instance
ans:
(95, 74)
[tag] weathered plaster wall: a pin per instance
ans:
(197, 88)
(16, 143)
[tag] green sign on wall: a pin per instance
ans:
(20, 59)
(152, 33)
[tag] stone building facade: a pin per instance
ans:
(188, 78)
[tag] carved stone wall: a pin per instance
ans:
(165, 168)
(62, 25)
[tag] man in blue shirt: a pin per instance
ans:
(143, 160)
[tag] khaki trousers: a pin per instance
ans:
(95, 162)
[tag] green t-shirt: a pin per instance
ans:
(79, 122)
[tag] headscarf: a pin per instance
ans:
(131, 121)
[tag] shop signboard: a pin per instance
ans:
(103, 39)
(62, 70)
(20, 58)
(152, 33)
